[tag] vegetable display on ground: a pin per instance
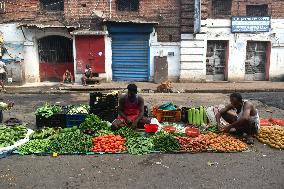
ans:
(34, 146)
(45, 133)
(109, 143)
(273, 136)
(71, 141)
(10, 135)
(126, 132)
(139, 146)
(165, 142)
(95, 123)
(226, 143)
(197, 144)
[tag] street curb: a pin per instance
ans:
(148, 91)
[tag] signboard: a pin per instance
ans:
(246, 24)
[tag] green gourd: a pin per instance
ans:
(193, 116)
(197, 115)
(201, 115)
(190, 116)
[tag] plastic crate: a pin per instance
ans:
(75, 119)
(106, 115)
(167, 115)
(56, 120)
(100, 100)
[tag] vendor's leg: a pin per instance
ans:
(143, 121)
(230, 116)
(248, 129)
(2, 85)
(84, 78)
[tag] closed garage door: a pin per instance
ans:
(130, 53)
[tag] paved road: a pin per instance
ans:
(275, 99)
(262, 168)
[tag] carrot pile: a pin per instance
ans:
(109, 143)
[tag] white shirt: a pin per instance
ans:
(2, 67)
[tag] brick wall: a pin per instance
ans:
(91, 13)
(275, 7)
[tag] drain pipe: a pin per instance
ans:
(110, 9)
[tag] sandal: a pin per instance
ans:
(250, 140)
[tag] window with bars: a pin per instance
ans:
(52, 5)
(127, 5)
(257, 10)
(216, 57)
(221, 8)
(2, 6)
(256, 57)
(55, 49)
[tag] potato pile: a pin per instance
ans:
(273, 136)
(226, 143)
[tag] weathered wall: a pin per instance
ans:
(194, 66)
(91, 14)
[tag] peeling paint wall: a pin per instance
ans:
(169, 49)
(220, 29)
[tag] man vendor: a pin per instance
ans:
(241, 115)
(131, 110)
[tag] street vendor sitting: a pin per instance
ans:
(131, 110)
(90, 75)
(67, 77)
(241, 115)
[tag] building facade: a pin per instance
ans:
(119, 39)
(141, 40)
(220, 51)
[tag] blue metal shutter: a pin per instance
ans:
(130, 57)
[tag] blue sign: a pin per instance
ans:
(245, 24)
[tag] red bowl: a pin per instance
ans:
(151, 128)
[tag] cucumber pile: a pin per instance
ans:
(197, 116)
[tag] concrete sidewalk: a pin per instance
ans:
(213, 87)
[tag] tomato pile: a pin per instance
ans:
(226, 143)
(109, 143)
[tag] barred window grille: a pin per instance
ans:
(221, 8)
(127, 5)
(2, 6)
(55, 49)
(52, 5)
(257, 10)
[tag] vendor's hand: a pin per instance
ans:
(127, 120)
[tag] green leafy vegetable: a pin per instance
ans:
(34, 146)
(10, 135)
(48, 110)
(95, 123)
(165, 142)
(139, 145)
(126, 132)
(70, 141)
(45, 133)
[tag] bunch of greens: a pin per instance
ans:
(45, 133)
(10, 135)
(165, 142)
(103, 133)
(48, 110)
(95, 123)
(139, 146)
(34, 146)
(70, 141)
(126, 132)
